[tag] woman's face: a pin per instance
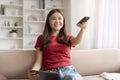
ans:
(56, 21)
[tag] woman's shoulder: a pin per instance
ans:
(40, 36)
(70, 36)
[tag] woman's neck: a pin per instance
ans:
(55, 33)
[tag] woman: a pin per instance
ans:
(53, 47)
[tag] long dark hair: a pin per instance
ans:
(62, 36)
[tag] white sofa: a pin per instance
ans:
(91, 63)
(14, 65)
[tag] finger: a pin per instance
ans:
(33, 77)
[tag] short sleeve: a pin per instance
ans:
(70, 37)
(38, 41)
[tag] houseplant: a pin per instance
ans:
(13, 33)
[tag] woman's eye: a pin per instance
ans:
(58, 18)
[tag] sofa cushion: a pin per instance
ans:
(2, 77)
(95, 77)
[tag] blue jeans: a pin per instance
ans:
(67, 73)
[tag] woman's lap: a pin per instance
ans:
(68, 73)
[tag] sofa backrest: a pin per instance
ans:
(15, 64)
(96, 61)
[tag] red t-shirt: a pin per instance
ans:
(55, 54)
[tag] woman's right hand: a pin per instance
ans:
(32, 76)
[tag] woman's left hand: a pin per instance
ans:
(83, 25)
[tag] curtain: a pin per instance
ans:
(103, 30)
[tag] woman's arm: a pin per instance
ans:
(37, 65)
(38, 62)
(76, 40)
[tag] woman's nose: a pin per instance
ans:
(57, 20)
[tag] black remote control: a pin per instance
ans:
(84, 19)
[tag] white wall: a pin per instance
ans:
(79, 9)
(67, 14)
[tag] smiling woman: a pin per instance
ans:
(53, 47)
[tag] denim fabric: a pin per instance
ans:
(67, 73)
